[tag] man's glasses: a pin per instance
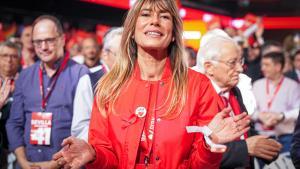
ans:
(110, 52)
(49, 41)
(233, 63)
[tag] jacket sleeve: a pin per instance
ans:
(295, 150)
(98, 138)
(201, 156)
(235, 149)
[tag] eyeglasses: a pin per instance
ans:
(233, 63)
(49, 41)
(7, 56)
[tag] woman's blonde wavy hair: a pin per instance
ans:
(108, 88)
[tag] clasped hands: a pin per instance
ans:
(270, 119)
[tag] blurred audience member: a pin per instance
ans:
(75, 37)
(9, 66)
(90, 50)
(42, 107)
(231, 31)
(271, 46)
(253, 58)
(295, 72)
(28, 54)
(278, 100)
(190, 55)
(85, 91)
(10, 60)
(110, 50)
(291, 42)
(252, 62)
(75, 54)
(288, 64)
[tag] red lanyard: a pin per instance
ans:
(270, 101)
(61, 68)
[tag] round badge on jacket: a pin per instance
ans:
(140, 112)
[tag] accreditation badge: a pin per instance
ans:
(41, 123)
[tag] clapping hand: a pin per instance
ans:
(226, 129)
(5, 88)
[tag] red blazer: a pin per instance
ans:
(116, 137)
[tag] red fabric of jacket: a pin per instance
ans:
(116, 138)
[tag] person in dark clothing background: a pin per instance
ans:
(9, 66)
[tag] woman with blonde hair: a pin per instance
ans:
(144, 104)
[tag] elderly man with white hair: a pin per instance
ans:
(220, 60)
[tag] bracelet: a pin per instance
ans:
(206, 131)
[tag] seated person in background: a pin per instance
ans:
(278, 100)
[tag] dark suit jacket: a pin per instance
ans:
(237, 151)
(3, 135)
(295, 150)
(293, 75)
(95, 76)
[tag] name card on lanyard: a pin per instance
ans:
(41, 123)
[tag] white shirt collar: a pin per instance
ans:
(96, 68)
(218, 89)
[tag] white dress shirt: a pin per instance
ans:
(245, 87)
(82, 108)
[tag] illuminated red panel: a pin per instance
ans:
(194, 14)
(281, 22)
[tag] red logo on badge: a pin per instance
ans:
(140, 112)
